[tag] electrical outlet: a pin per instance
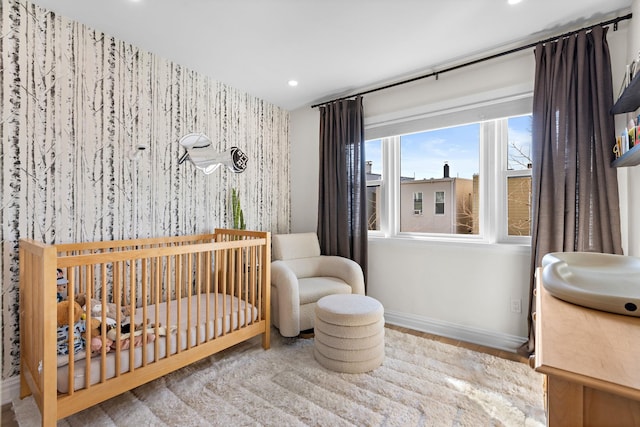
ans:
(516, 306)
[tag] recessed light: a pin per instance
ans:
(512, 2)
(293, 83)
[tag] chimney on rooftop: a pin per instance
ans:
(446, 169)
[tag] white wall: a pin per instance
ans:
(304, 132)
(459, 290)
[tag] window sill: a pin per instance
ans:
(461, 242)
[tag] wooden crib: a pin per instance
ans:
(193, 296)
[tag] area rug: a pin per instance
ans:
(421, 383)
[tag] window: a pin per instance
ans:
(518, 176)
(373, 172)
(476, 176)
(417, 203)
(439, 197)
(437, 164)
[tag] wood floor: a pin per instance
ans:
(475, 347)
(8, 418)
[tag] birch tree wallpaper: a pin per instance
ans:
(74, 103)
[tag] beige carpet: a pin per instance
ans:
(421, 383)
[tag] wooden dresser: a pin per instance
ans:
(592, 363)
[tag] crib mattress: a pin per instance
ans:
(232, 313)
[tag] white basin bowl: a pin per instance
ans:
(602, 281)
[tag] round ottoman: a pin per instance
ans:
(349, 333)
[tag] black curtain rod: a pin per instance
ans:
(613, 21)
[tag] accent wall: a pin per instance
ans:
(75, 103)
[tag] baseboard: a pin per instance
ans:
(452, 330)
(10, 389)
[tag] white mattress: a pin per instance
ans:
(231, 321)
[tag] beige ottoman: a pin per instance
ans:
(349, 333)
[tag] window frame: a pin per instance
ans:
(493, 200)
(436, 203)
(421, 200)
(505, 174)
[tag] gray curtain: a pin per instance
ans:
(575, 189)
(342, 213)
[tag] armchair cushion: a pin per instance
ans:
(312, 289)
(297, 245)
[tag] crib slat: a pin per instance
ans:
(119, 293)
(225, 281)
(145, 304)
(233, 284)
(103, 322)
(89, 293)
(132, 309)
(178, 298)
(158, 293)
(188, 285)
(168, 298)
(252, 279)
(260, 284)
(199, 337)
(71, 325)
(207, 281)
(265, 283)
(216, 291)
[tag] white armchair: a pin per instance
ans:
(300, 276)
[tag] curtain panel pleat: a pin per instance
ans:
(342, 216)
(574, 188)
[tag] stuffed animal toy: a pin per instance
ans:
(95, 326)
(76, 324)
(95, 307)
(125, 335)
(61, 283)
(95, 329)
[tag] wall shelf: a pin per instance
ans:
(630, 158)
(630, 99)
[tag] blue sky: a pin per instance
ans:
(423, 154)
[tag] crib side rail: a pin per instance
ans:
(116, 245)
(37, 325)
(230, 234)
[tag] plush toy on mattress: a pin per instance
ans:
(94, 306)
(77, 325)
(96, 336)
(125, 335)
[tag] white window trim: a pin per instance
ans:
(504, 174)
(391, 187)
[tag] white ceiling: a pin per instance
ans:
(332, 47)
